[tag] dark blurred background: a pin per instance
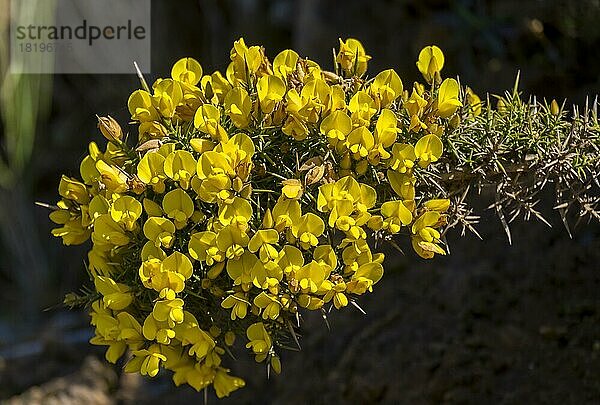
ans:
(510, 324)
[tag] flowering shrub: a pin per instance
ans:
(249, 197)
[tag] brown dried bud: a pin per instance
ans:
(136, 185)
(110, 128)
(311, 163)
(149, 146)
(314, 175)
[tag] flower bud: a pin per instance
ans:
(110, 128)
(554, 108)
(501, 106)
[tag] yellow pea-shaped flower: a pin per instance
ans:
(447, 98)
(187, 70)
(386, 130)
(386, 87)
(178, 206)
(126, 210)
(167, 95)
(238, 106)
(428, 149)
(180, 166)
(208, 120)
(271, 90)
(352, 57)
(159, 231)
(72, 189)
(285, 63)
(150, 170)
(431, 61)
(140, 106)
(336, 126)
(396, 214)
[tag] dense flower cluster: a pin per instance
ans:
(249, 197)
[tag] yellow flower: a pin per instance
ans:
(240, 270)
(262, 242)
(113, 178)
(237, 212)
(201, 145)
(428, 149)
(439, 205)
(180, 166)
(292, 189)
(286, 212)
(167, 96)
(271, 90)
(475, 102)
(386, 87)
(168, 308)
(360, 142)
(115, 296)
(316, 97)
(431, 62)
(285, 63)
(150, 130)
(266, 275)
(72, 189)
(146, 361)
(364, 278)
(208, 120)
(259, 339)
(295, 127)
(150, 170)
(238, 303)
(158, 331)
(126, 210)
(362, 107)
(214, 177)
(225, 384)
(159, 231)
(336, 294)
(171, 273)
(72, 232)
(130, 330)
(178, 206)
(187, 70)
(308, 229)
(269, 304)
(290, 259)
(215, 87)
(244, 59)
(107, 231)
(415, 104)
(140, 106)
(203, 247)
(386, 132)
(403, 184)
(345, 197)
(425, 236)
(396, 214)
(232, 240)
(238, 106)
(115, 350)
(403, 157)
(447, 98)
(352, 57)
(312, 278)
(336, 126)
